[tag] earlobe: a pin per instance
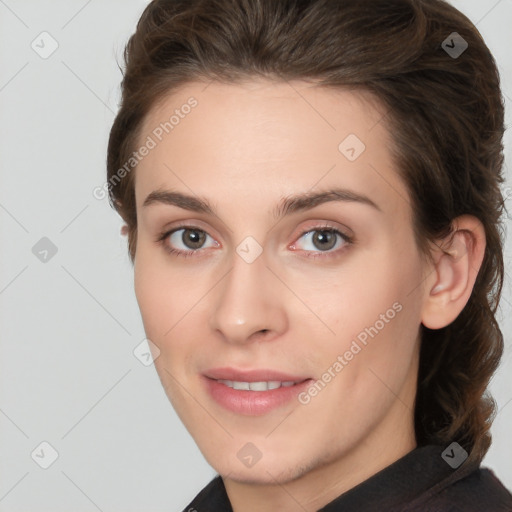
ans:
(451, 282)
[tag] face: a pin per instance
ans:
(275, 244)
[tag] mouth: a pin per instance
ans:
(258, 386)
(253, 392)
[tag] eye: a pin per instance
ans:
(323, 239)
(189, 240)
(184, 241)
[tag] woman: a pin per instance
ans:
(312, 203)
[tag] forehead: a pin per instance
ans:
(292, 134)
(266, 108)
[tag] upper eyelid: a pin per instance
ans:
(302, 232)
(198, 223)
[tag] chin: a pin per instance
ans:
(263, 473)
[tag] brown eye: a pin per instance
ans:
(185, 240)
(193, 238)
(324, 240)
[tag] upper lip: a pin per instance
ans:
(256, 375)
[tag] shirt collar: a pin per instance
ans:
(395, 487)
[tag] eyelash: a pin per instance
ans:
(162, 238)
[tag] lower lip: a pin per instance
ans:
(252, 403)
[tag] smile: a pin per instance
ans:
(255, 397)
(256, 386)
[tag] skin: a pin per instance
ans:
(246, 147)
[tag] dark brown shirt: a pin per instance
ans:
(421, 481)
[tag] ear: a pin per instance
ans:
(458, 259)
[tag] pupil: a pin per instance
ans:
(325, 239)
(195, 238)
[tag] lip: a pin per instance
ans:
(252, 403)
(259, 375)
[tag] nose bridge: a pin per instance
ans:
(248, 299)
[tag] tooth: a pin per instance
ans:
(241, 385)
(258, 386)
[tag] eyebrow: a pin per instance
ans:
(288, 205)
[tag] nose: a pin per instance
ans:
(249, 304)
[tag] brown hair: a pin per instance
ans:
(444, 112)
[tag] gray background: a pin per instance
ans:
(68, 326)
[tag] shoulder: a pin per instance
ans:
(477, 491)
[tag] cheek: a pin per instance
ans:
(153, 291)
(374, 304)
(146, 293)
(161, 306)
(355, 297)
(168, 300)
